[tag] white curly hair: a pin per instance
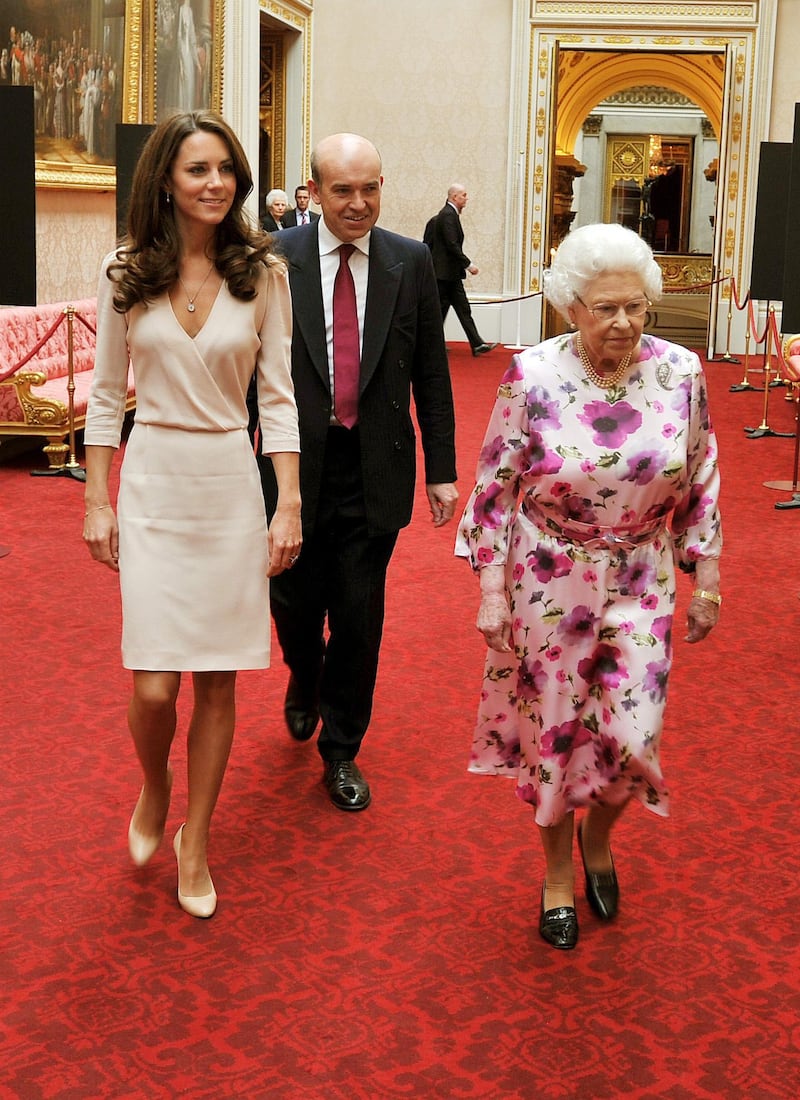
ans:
(594, 250)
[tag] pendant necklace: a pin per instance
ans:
(604, 381)
(190, 305)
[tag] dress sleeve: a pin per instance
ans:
(485, 526)
(276, 403)
(108, 393)
(696, 525)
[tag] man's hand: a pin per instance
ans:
(443, 500)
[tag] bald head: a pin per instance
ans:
(457, 195)
(340, 149)
(346, 182)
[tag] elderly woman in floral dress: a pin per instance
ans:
(598, 473)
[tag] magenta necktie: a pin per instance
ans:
(346, 351)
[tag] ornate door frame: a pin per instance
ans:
(744, 31)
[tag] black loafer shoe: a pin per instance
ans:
(559, 926)
(301, 714)
(346, 785)
(602, 890)
(481, 349)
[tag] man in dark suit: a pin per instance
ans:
(444, 235)
(301, 215)
(357, 481)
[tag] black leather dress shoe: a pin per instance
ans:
(602, 890)
(346, 785)
(301, 713)
(559, 926)
(481, 349)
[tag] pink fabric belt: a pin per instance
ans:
(593, 536)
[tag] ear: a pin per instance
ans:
(572, 315)
(313, 191)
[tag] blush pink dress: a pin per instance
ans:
(193, 533)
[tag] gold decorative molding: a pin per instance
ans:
(286, 14)
(540, 122)
(635, 11)
(690, 274)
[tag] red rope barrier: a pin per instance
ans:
(33, 351)
(43, 341)
(739, 305)
(753, 328)
(84, 322)
(776, 336)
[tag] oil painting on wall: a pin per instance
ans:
(73, 55)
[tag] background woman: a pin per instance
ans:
(197, 299)
(275, 203)
(597, 473)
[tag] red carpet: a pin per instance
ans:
(393, 955)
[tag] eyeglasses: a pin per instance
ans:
(607, 311)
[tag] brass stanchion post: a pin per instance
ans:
(764, 429)
(71, 467)
(745, 384)
(727, 357)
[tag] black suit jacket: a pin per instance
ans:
(403, 352)
(269, 223)
(445, 236)
(289, 219)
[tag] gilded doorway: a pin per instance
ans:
(716, 67)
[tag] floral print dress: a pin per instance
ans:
(589, 497)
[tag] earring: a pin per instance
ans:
(169, 197)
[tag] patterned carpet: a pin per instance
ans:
(393, 955)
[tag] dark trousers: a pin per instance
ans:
(452, 293)
(340, 576)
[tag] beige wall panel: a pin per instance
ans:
(429, 84)
(786, 72)
(74, 230)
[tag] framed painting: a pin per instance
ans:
(186, 57)
(82, 59)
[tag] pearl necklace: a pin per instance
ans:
(604, 381)
(190, 305)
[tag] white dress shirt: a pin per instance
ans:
(328, 266)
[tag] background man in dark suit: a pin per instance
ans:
(444, 235)
(357, 482)
(301, 215)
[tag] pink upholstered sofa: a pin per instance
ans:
(34, 394)
(791, 356)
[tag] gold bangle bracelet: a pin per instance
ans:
(713, 597)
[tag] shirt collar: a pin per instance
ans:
(329, 243)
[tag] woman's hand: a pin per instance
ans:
(101, 535)
(284, 540)
(701, 614)
(701, 618)
(494, 621)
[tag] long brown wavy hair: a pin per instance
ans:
(146, 263)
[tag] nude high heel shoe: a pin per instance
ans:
(142, 846)
(203, 906)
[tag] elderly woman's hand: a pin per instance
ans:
(494, 621)
(701, 618)
(494, 614)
